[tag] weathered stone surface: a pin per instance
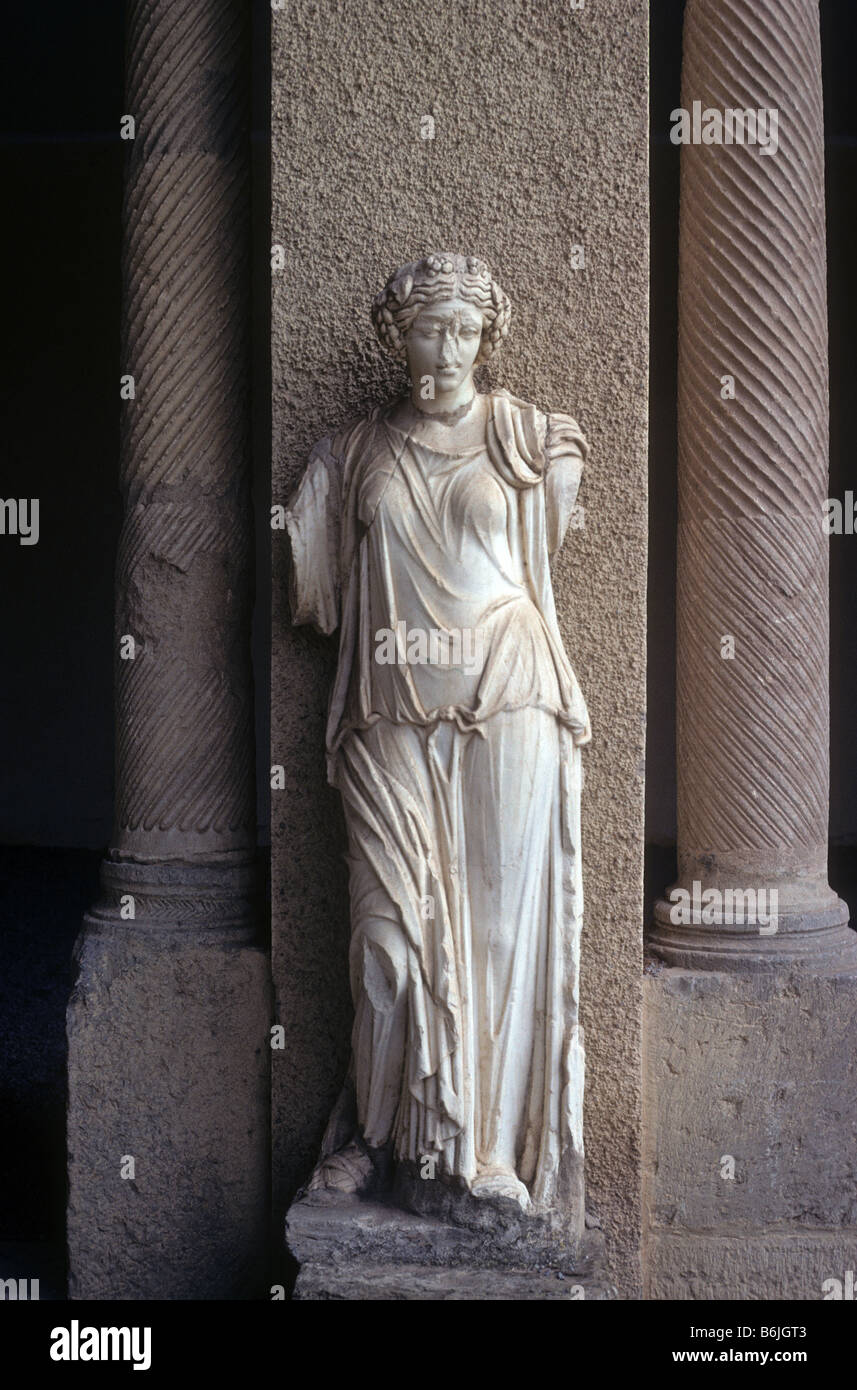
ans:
(168, 1024)
(416, 1283)
(753, 1266)
(540, 145)
(168, 1064)
(755, 1076)
(352, 1249)
(559, 1227)
(753, 719)
(185, 783)
(750, 1173)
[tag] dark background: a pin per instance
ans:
(61, 170)
(61, 100)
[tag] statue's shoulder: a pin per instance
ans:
(555, 431)
(350, 439)
(516, 403)
(520, 426)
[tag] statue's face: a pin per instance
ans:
(443, 343)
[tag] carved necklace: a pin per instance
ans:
(445, 417)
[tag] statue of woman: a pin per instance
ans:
(424, 532)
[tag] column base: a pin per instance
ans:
(819, 940)
(168, 1103)
(216, 897)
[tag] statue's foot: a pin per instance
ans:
(498, 1181)
(349, 1171)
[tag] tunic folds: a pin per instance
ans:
(454, 737)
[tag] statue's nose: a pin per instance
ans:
(447, 350)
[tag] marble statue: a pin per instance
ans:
(423, 532)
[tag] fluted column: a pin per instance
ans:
(752, 598)
(168, 1022)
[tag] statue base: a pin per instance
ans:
(352, 1248)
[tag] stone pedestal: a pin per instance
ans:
(167, 1068)
(349, 1249)
(751, 1167)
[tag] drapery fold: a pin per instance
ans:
(461, 786)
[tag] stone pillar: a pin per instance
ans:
(168, 1023)
(752, 601)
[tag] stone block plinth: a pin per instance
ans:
(353, 1249)
(751, 1184)
(168, 1135)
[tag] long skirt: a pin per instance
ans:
(466, 908)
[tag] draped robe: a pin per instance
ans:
(460, 782)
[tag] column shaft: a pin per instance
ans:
(184, 704)
(752, 599)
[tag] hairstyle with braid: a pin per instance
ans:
(439, 276)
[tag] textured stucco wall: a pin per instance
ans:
(541, 130)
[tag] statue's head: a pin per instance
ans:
(442, 306)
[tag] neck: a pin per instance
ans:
(445, 402)
(442, 417)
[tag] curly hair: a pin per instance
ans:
(441, 275)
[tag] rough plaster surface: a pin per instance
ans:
(168, 1063)
(763, 1071)
(541, 134)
